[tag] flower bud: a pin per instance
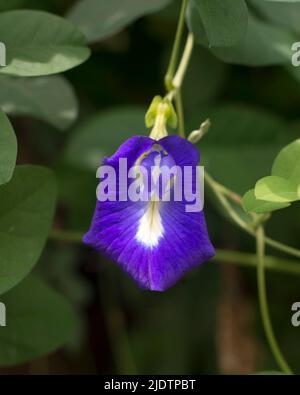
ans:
(160, 114)
(196, 135)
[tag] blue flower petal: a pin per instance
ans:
(155, 242)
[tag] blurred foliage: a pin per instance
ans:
(8, 156)
(29, 198)
(51, 99)
(99, 20)
(39, 322)
(282, 187)
(31, 50)
(254, 113)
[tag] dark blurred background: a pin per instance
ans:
(209, 322)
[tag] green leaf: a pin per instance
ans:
(39, 43)
(252, 204)
(102, 134)
(26, 213)
(264, 44)
(99, 19)
(287, 163)
(240, 145)
(195, 24)
(51, 99)
(8, 149)
(276, 189)
(284, 13)
(39, 321)
(224, 21)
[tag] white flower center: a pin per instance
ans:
(150, 228)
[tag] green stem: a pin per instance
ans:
(180, 114)
(185, 60)
(182, 68)
(262, 294)
(176, 47)
(218, 190)
(173, 81)
(282, 247)
(230, 194)
(287, 266)
(66, 236)
(76, 237)
(236, 257)
(224, 202)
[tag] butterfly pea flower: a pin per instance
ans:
(147, 224)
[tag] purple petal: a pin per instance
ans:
(156, 243)
(131, 149)
(183, 152)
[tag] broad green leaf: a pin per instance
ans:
(99, 19)
(252, 204)
(102, 134)
(280, 188)
(51, 99)
(26, 213)
(276, 189)
(241, 144)
(39, 43)
(264, 44)
(224, 21)
(195, 24)
(287, 163)
(284, 13)
(8, 149)
(39, 321)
